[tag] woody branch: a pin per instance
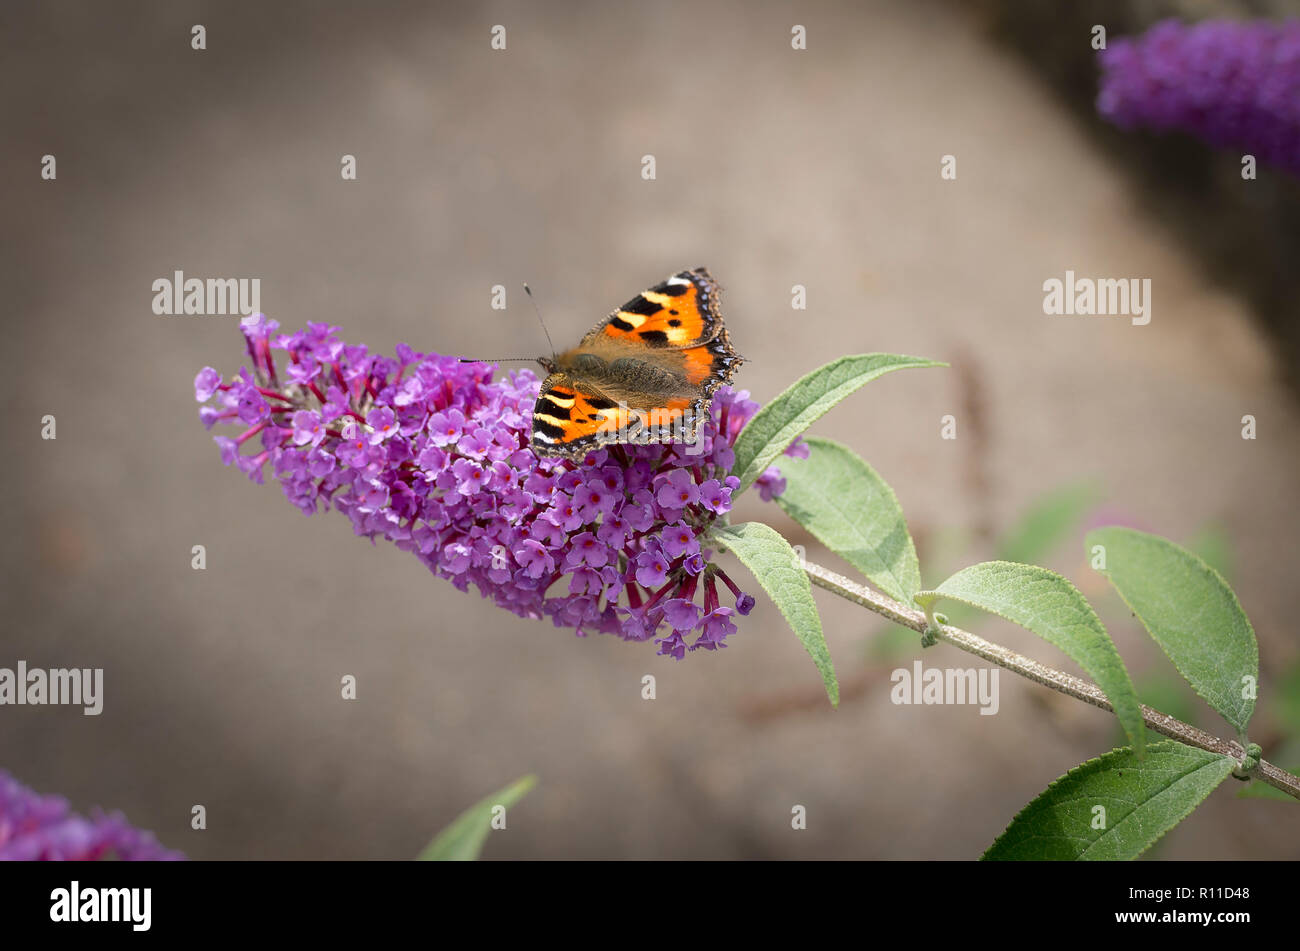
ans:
(1057, 680)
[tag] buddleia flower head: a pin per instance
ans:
(1231, 84)
(432, 454)
(44, 828)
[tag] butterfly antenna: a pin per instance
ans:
(529, 291)
(546, 363)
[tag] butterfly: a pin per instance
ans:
(646, 374)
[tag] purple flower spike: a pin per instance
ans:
(433, 455)
(42, 828)
(1234, 85)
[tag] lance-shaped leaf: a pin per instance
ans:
(777, 424)
(1189, 610)
(462, 841)
(853, 512)
(777, 567)
(1113, 807)
(1052, 608)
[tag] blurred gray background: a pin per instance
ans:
(477, 167)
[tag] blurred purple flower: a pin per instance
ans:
(42, 828)
(1232, 84)
(433, 455)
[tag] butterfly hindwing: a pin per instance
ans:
(570, 418)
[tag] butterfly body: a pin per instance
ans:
(646, 374)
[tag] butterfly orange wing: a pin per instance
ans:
(679, 320)
(679, 313)
(571, 419)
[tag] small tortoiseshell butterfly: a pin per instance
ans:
(646, 374)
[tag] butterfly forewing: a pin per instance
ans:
(679, 312)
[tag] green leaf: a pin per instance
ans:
(854, 513)
(774, 563)
(1260, 790)
(462, 841)
(1052, 608)
(1142, 798)
(1189, 610)
(777, 424)
(1045, 524)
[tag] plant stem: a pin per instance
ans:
(1058, 680)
